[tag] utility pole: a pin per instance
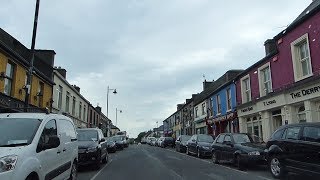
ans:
(30, 71)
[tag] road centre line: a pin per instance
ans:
(101, 170)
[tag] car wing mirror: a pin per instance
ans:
(102, 140)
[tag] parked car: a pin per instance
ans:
(160, 141)
(238, 148)
(92, 147)
(295, 147)
(32, 140)
(124, 139)
(181, 143)
(119, 142)
(200, 144)
(149, 139)
(111, 145)
(153, 142)
(143, 141)
(167, 142)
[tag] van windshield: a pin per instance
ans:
(9, 127)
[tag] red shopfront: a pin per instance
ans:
(222, 124)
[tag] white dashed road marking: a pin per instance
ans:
(101, 170)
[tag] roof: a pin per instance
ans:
(313, 8)
(114, 127)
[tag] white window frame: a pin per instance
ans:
(218, 99)
(59, 98)
(203, 108)
(261, 81)
(228, 96)
(9, 79)
(196, 111)
(67, 108)
(296, 61)
(243, 90)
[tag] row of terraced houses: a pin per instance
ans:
(49, 89)
(281, 88)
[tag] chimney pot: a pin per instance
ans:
(270, 46)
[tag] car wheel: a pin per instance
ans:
(215, 158)
(198, 153)
(74, 171)
(32, 177)
(105, 159)
(276, 167)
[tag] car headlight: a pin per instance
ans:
(92, 149)
(254, 153)
(8, 163)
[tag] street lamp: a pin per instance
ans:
(117, 115)
(30, 70)
(157, 129)
(114, 92)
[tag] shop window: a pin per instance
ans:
(8, 81)
(301, 59)
(301, 114)
(254, 126)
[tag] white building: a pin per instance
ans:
(68, 100)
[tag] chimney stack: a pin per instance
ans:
(62, 71)
(77, 88)
(270, 46)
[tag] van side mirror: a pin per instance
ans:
(102, 140)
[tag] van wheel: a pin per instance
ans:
(276, 167)
(74, 171)
(32, 176)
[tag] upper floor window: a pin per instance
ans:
(228, 98)
(196, 112)
(67, 102)
(80, 109)
(218, 104)
(8, 79)
(203, 107)
(301, 59)
(60, 90)
(265, 82)
(73, 105)
(40, 94)
(245, 89)
(84, 112)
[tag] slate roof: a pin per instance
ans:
(114, 127)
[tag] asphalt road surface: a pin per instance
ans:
(144, 162)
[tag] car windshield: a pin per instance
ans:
(205, 138)
(117, 138)
(87, 135)
(9, 127)
(242, 138)
(185, 138)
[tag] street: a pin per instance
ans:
(149, 162)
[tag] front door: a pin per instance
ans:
(50, 159)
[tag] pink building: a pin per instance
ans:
(284, 86)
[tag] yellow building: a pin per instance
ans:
(14, 64)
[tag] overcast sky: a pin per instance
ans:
(154, 52)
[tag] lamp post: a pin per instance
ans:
(30, 70)
(117, 115)
(114, 92)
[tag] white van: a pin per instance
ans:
(37, 146)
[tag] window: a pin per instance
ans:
(291, 133)
(302, 114)
(68, 129)
(229, 99)
(218, 104)
(196, 111)
(265, 80)
(278, 134)
(60, 90)
(67, 102)
(8, 79)
(73, 105)
(301, 58)
(40, 94)
(227, 138)
(311, 134)
(49, 130)
(254, 126)
(80, 109)
(84, 112)
(220, 139)
(245, 89)
(210, 111)
(203, 108)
